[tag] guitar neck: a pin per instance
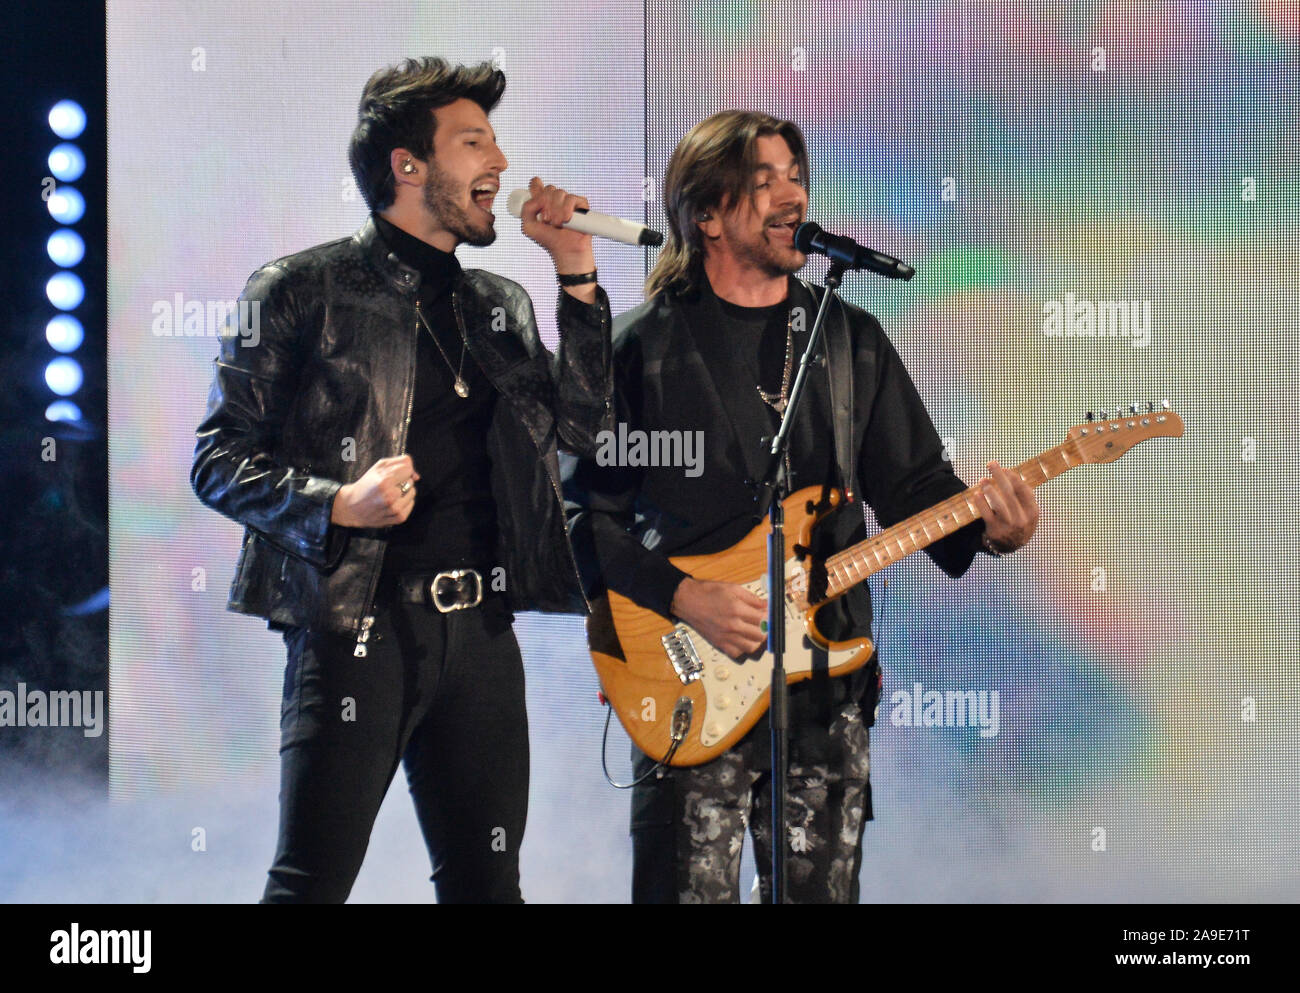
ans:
(846, 569)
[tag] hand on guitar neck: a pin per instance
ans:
(727, 614)
(730, 617)
(1009, 509)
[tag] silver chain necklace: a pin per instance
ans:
(777, 401)
(460, 386)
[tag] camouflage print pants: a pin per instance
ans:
(688, 826)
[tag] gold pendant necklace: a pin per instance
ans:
(460, 385)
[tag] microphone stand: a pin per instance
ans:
(771, 492)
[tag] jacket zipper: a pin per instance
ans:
(555, 486)
(368, 620)
(559, 499)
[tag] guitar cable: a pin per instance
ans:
(877, 633)
(878, 620)
(680, 725)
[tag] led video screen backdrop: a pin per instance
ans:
(1101, 202)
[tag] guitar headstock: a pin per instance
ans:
(1104, 438)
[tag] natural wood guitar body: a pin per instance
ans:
(728, 696)
(650, 666)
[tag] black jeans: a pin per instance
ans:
(444, 693)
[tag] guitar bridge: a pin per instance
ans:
(682, 654)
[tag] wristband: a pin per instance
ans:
(993, 549)
(576, 279)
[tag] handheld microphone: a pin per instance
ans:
(595, 223)
(811, 238)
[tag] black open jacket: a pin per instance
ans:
(323, 390)
(625, 522)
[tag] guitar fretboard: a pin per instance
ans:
(846, 569)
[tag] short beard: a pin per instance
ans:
(772, 260)
(441, 200)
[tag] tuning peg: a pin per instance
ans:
(1103, 416)
(1164, 404)
(1133, 408)
(1089, 417)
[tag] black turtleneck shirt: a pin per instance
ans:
(454, 521)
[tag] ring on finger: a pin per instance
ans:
(406, 487)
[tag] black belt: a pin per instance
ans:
(453, 589)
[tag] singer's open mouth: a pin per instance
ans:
(786, 227)
(483, 195)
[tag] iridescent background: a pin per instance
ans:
(1121, 708)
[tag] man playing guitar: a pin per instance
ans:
(713, 349)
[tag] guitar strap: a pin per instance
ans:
(837, 344)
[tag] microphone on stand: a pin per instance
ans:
(810, 238)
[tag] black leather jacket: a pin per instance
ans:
(626, 522)
(323, 388)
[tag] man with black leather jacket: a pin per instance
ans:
(389, 439)
(713, 349)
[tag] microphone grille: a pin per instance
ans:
(515, 202)
(804, 236)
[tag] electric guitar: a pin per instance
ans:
(669, 686)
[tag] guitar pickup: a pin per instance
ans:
(682, 654)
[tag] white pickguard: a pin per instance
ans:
(731, 687)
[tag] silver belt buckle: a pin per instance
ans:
(456, 575)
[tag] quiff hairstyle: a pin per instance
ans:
(396, 111)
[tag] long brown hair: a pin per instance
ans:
(715, 160)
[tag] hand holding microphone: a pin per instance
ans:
(544, 211)
(583, 218)
(563, 224)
